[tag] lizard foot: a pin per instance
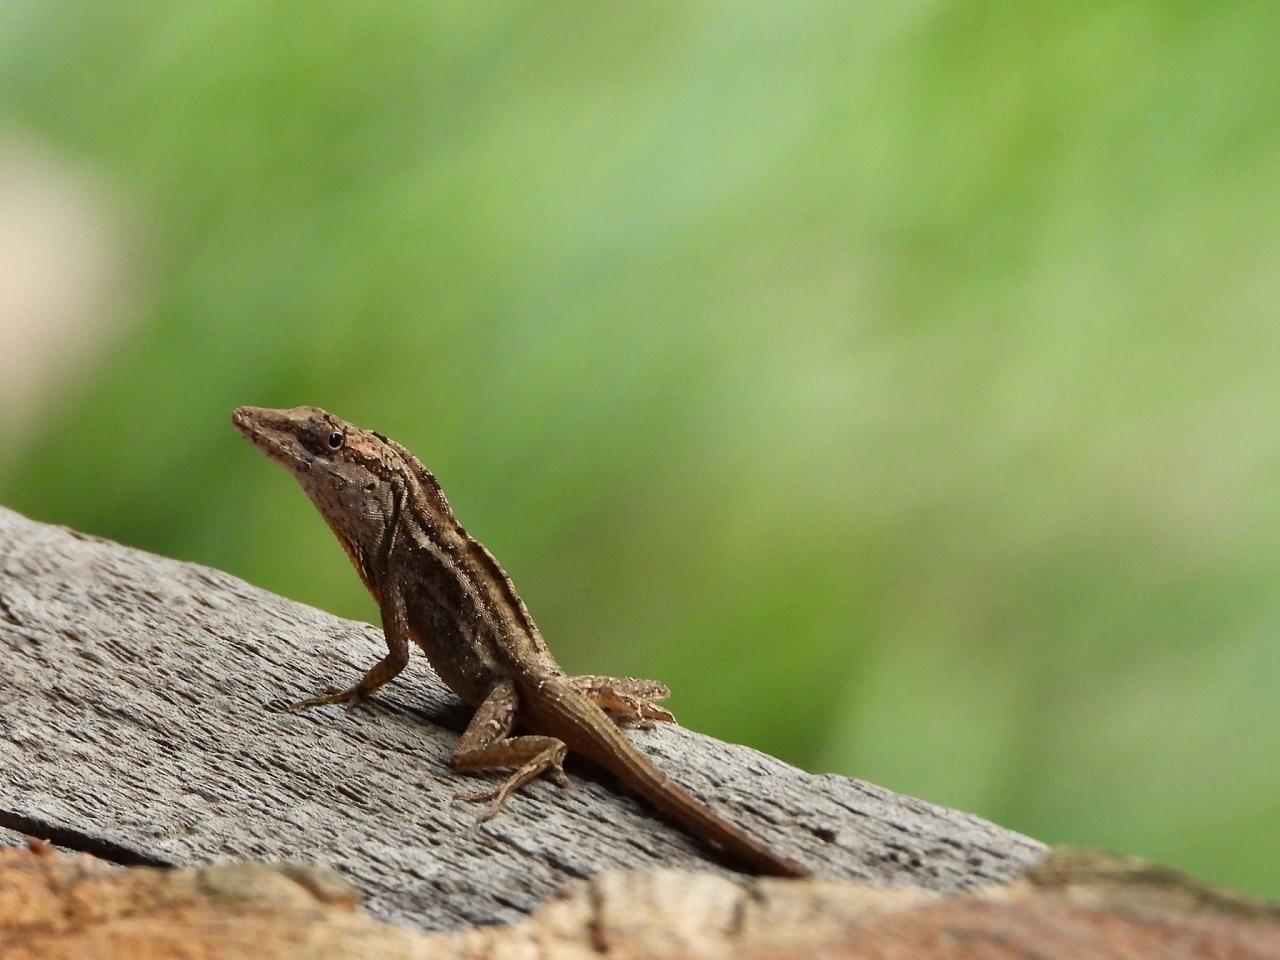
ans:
(643, 717)
(630, 701)
(629, 711)
(549, 761)
(348, 698)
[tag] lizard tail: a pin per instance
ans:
(560, 710)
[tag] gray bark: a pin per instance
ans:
(141, 719)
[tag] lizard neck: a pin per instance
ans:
(431, 514)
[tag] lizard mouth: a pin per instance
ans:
(259, 426)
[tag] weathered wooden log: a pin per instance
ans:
(1071, 904)
(141, 720)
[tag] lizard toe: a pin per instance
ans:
(348, 698)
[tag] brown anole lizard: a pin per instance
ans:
(438, 586)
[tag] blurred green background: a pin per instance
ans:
(897, 381)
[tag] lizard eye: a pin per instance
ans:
(335, 440)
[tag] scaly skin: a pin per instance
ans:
(438, 587)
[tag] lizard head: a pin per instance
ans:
(308, 440)
(346, 471)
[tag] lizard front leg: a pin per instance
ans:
(395, 626)
(485, 745)
(631, 702)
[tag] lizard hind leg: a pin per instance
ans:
(486, 745)
(630, 701)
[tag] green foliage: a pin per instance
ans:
(899, 382)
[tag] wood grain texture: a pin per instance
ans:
(1071, 904)
(141, 719)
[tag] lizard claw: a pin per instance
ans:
(349, 698)
(639, 714)
(498, 796)
(654, 712)
(634, 723)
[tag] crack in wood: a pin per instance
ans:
(79, 841)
